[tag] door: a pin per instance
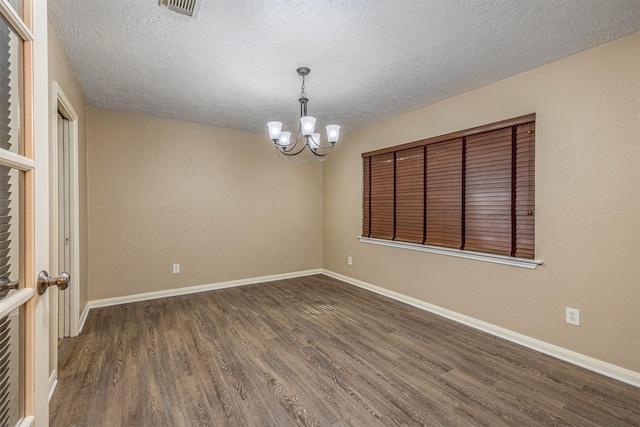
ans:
(64, 304)
(24, 213)
(64, 222)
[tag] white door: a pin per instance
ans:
(24, 213)
(64, 222)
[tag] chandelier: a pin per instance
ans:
(305, 138)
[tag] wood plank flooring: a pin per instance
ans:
(315, 351)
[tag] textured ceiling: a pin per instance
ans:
(234, 66)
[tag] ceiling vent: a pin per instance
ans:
(185, 7)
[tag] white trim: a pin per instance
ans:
(74, 237)
(11, 302)
(195, 289)
(83, 317)
(616, 372)
(15, 21)
(60, 102)
(478, 256)
(15, 160)
(38, 368)
(53, 382)
(26, 421)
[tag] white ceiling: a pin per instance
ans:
(234, 66)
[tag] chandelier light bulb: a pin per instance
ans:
(285, 139)
(275, 128)
(308, 125)
(314, 141)
(333, 133)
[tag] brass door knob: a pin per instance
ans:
(44, 281)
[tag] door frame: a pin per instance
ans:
(37, 399)
(60, 102)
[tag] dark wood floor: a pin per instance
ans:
(315, 352)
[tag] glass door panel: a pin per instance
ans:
(11, 89)
(11, 378)
(12, 292)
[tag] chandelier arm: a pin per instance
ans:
(315, 154)
(287, 148)
(326, 147)
(292, 146)
(291, 157)
(320, 155)
(289, 153)
(294, 159)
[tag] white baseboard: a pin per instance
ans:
(189, 290)
(53, 382)
(83, 317)
(622, 374)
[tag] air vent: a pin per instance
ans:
(185, 7)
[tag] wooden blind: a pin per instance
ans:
(382, 211)
(410, 195)
(471, 190)
(525, 190)
(444, 194)
(488, 192)
(366, 197)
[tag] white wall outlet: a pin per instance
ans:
(349, 260)
(573, 316)
(176, 268)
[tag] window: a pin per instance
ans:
(471, 190)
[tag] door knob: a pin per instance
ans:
(44, 281)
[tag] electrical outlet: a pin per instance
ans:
(573, 316)
(349, 260)
(176, 268)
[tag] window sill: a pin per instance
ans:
(478, 256)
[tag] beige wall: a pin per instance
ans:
(59, 72)
(217, 201)
(587, 207)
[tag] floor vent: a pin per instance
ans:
(185, 7)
